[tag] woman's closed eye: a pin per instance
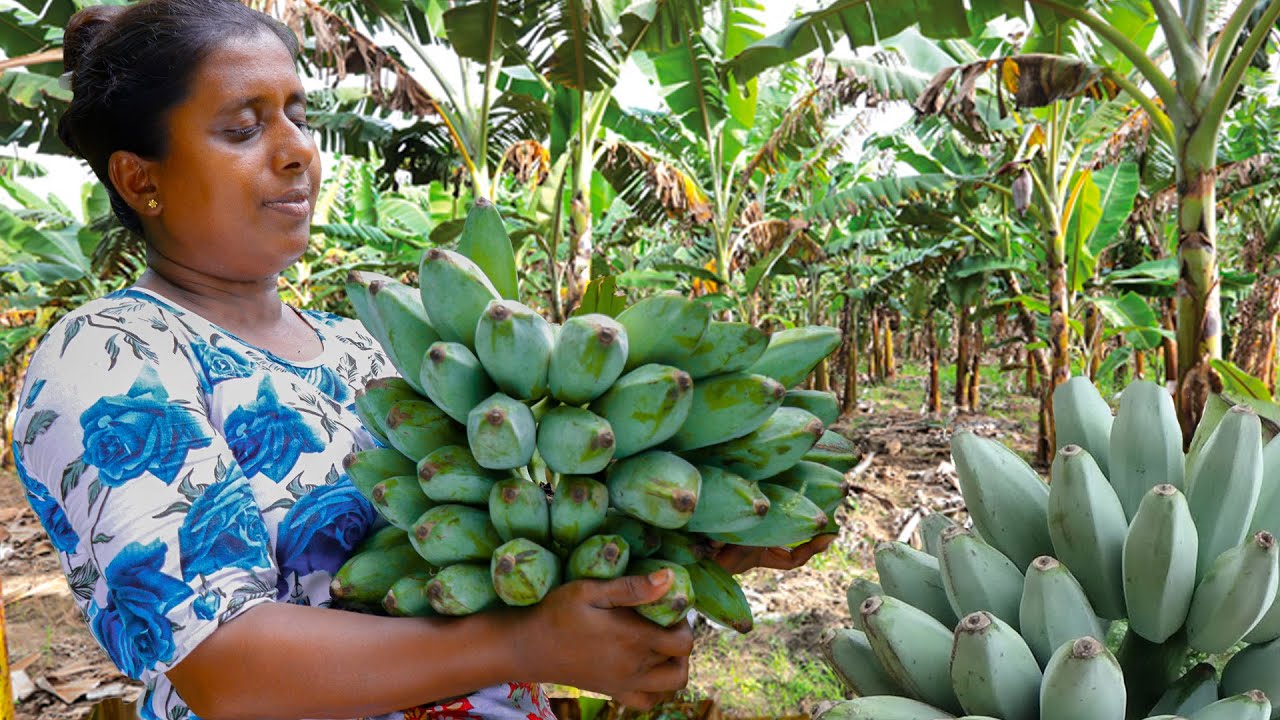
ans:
(244, 133)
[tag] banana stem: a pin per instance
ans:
(1149, 668)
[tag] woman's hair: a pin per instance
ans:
(130, 65)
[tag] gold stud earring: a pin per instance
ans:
(153, 204)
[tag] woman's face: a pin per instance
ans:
(239, 182)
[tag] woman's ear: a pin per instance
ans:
(133, 178)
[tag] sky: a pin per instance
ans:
(67, 175)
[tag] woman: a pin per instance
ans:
(182, 440)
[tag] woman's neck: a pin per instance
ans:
(241, 307)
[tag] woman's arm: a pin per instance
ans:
(290, 661)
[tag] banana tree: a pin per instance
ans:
(1189, 106)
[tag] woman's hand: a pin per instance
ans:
(741, 558)
(588, 636)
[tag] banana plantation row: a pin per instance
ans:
(1083, 189)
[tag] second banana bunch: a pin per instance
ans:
(1009, 619)
(518, 454)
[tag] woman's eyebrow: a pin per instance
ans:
(295, 98)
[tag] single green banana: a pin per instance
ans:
(377, 397)
(462, 589)
(835, 451)
(1160, 564)
(575, 441)
(823, 404)
(725, 347)
(587, 359)
(726, 502)
(993, 670)
(451, 475)
(1195, 690)
(416, 427)
(859, 590)
(602, 557)
(1266, 516)
(645, 407)
(681, 548)
(776, 445)
(659, 488)
(1054, 609)
(407, 597)
(1215, 408)
(453, 378)
(1082, 680)
(366, 577)
(1006, 498)
(400, 500)
(514, 344)
(501, 433)
(675, 604)
(484, 240)
(384, 537)
(1087, 525)
(367, 468)
(357, 289)
(663, 328)
(793, 353)
(407, 333)
(849, 655)
(578, 509)
(455, 292)
(975, 576)
(1253, 668)
(519, 509)
(792, 518)
(642, 539)
(1235, 593)
(725, 407)
(913, 577)
(824, 486)
(913, 648)
(1146, 444)
(931, 529)
(523, 572)
(449, 534)
(1230, 465)
(883, 707)
(1081, 417)
(718, 595)
(1251, 705)
(1268, 628)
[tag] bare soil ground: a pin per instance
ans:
(774, 671)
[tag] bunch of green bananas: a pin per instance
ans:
(518, 454)
(1009, 619)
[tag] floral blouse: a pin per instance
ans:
(185, 476)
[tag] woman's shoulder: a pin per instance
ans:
(124, 321)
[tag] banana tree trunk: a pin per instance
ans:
(851, 367)
(975, 372)
(1038, 363)
(961, 398)
(1139, 364)
(890, 365)
(1198, 300)
(1255, 342)
(1093, 331)
(1169, 346)
(874, 369)
(935, 393)
(1029, 386)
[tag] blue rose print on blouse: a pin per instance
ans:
(141, 431)
(206, 606)
(223, 529)
(219, 363)
(321, 529)
(133, 627)
(268, 437)
(54, 520)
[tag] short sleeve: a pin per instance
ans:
(155, 523)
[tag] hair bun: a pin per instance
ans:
(82, 29)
